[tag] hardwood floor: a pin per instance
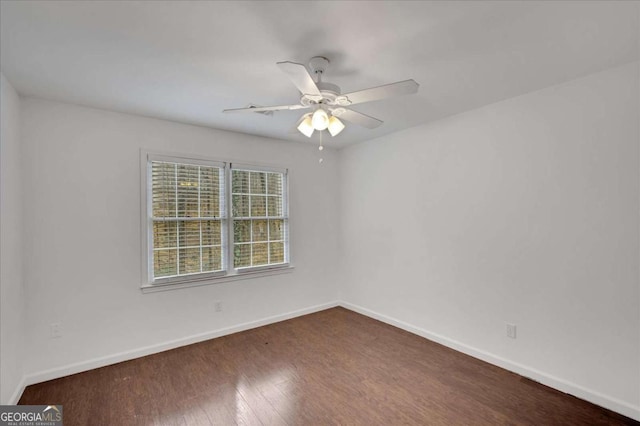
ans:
(331, 367)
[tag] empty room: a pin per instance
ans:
(319, 212)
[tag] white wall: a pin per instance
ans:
(524, 211)
(11, 283)
(82, 236)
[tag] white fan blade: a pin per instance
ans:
(360, 119)
(388, 90)
(266, 108)
(300, 77)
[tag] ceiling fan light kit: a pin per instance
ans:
(335, 125)
(320, 119)
(327, 101)
(306, 126)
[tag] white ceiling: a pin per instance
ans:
(186, 61)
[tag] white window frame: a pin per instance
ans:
(229, 273)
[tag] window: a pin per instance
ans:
(187, 218)
(189, 234)
(259, 220)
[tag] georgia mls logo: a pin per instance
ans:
(31, 415)
(55, 409)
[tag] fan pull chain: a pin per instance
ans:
(320, 148)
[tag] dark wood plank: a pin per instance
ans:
(331, 367)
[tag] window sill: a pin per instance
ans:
(152, 288)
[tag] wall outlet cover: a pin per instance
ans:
(511, 331)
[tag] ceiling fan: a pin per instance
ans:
(325, 100)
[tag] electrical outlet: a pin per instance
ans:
(511, 331)
(56, 330)
(217, 306)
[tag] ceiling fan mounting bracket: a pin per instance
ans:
(318, 64)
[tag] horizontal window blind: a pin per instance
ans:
(260, 217)
(207, 219)
(188, 218)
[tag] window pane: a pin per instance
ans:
(259, 254)
(276, 230)
(258, 183)
(266, 237)
(259, 228)
(274, 183)
(211, 233)
(165, 263)
(187, 187)
(240, 182)
(211, 259)
(276, 252)
(258, 205)
(187, 191)
(274, 206)
(209, 192)
(189, 233)
(189, 260)
(165, 234)
(240, 206)
(242, 231)
(241, 255)
(163, 186)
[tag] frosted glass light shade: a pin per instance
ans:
(306, 127)
(320, 119)
(335, 126)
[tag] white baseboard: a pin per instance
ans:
(597, 398)
(55, 373)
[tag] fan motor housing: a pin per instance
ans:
(328, 91)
